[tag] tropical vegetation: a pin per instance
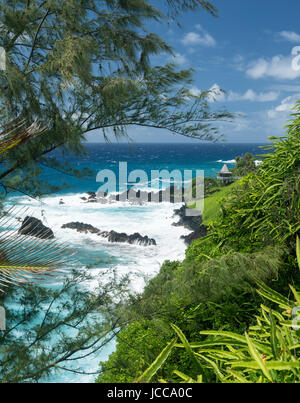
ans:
(77, 66)
(229, 312)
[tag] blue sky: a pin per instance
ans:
(247, 51)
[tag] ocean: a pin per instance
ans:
(154, 220)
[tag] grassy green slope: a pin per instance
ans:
(212, 203)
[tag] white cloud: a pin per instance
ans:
(272, 122)
(284, 108)
(261, 124)
(290, 36)
(251, 95)
(279, 67)
(179, 58)
(202, 38)
(216, 93)
(195, 91)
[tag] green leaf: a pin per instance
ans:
(255, 354)
(270, 365)
(273, 337)
(214, 365)
(241, 339)
(273, 296)
(186, 378)
(157, 364)
(296, 294)
(298, 250)
(237, 375)
(187, 346)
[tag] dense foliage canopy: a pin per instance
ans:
(84, 65)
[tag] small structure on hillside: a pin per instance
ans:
(225, 174)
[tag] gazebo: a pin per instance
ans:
(225, 174)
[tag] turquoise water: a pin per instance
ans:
(154, 220)
(207, 157)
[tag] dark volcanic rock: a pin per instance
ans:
(92, 197)
(171, 194)
(135, 238)
(190, 222)
(34, 227)
(200, 233)
(112, 236)
(99, 197)
(81, 227)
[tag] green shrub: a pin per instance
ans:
(137, 345)
(252, 239)
(265, 208)
(245, 164)
(268, 352)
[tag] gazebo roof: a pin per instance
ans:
(225, 170)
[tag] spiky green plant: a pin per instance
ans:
(269, 352)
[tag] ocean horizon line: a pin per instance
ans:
(181, 143)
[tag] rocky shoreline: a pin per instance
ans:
(171, 194)
(34, 227)
(112, 236)
(192, 223)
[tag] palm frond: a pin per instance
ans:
(26, 258)
(32, 256)
(16, 132)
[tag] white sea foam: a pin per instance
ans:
(227, 162)
(140, 262)
(257, 162)
(154, 220)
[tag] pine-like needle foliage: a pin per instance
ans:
(79, 66)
